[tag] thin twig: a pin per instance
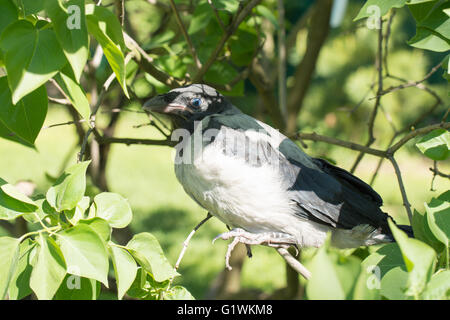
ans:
(216, 13)
(415, 133)
(130, 141)
(373, 115)
(346, 144)
(64, 102)
(398, 173)
(185, 35)
(436, 172)
(147, 64)
(409, 84)
(282, 88)
(63, 124)
(294, 263)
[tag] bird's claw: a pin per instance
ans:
(240, 235)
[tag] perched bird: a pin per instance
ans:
(260, 183)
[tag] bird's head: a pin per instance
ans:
(187, 104)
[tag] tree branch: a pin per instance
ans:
(145, 62)
(185, 35)
(130, 141)
(398, 173)
(294, 263)
(317, 33)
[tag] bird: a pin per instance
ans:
(260, 183)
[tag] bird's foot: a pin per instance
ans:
(272, 239)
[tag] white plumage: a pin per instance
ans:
(250, 197)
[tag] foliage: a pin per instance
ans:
(67, 255)
(410, 268)
(70, 254)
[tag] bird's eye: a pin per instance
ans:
(196, 102)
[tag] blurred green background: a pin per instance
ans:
(345, 70)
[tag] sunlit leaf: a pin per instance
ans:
(19, 287)
(9, 257)
(178, 293)
(32, 56)
(84, 252)
(74, 92)
(13, 203)
(49, 271)
(436, 144)
(378, 7)
(438, 288)
(69, 23)
(69, 189)
(125, 269)
(419, 260)
(146, 250)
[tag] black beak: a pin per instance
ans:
(160, 105)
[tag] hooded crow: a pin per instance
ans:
(260, 183)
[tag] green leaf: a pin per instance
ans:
(266, 13)
(223, 73)
(419, 260)
(108, 23)
(227, 5)
(32, 6)
(382, 5)
(140, 287)
(9, 257)
(243, 46)
(438, 288)
(71, 31)
(74, 92)
(438, 218)
(22, 122)
(394, 284)
(420, 10)
(334, 270)
(84, 252)
(113, 208)
(8, 14)
(49, 271)
(32, 56)
(100, 226)
(19, 287)
(13, 203)
(324, 275)
(386, 257)
(109, 36)
(146, 250)
(178, 293)
(78, 288)
(125, 269)
(200, 19)
(433, 31)
(423, 232)
(159, 40)
(69, 189)
(78, 212)
(435, 145)
(367, 286)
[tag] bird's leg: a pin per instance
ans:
(186, 242)
(249, 250)
(273, 239)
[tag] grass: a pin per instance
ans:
(144, 175)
